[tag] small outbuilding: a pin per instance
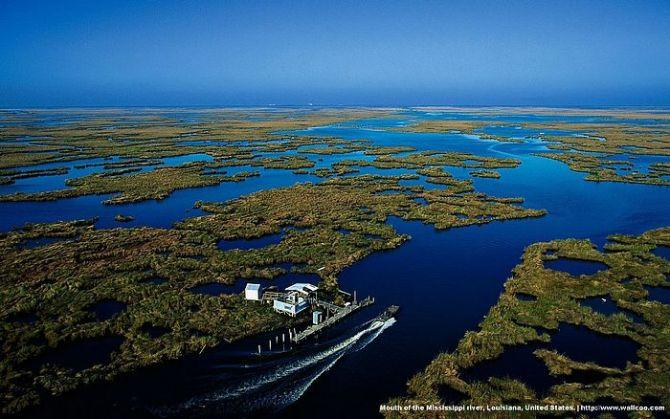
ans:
(317, 317)
(253, 292)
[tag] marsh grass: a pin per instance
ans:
(514, 323)
(326, 227)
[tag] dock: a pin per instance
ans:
(339, 314)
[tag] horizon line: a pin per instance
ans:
(331, 105)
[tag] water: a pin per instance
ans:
(525, 297)
(231, 381)
(106, 309)
(584, 345)
(662, 295)
(42, 241)
(575, 267)
(161, 214)
(242, 244)
(54, 182)
(444, 281)
(578, 343)
(662, 251)
(519, 363)
(607, 307)
(81, 354)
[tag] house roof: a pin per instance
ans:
(303, 287)
(252, 287)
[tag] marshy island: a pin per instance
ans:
(133, 239)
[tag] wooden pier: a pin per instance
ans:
(339, 314)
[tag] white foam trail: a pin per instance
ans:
(382, 326)
(297, 392)
(336, 352)
(385, 325)
(296, 366)
(291, 397)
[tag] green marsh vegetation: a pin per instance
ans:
(601, 170)
(593, 148)
(427, 159)
(55, 285)
(8, 176)
(537, 301)
(146, 143)
(462, 126)
(227, 137)
(492, 174)
(50, 291)
(585, 147)
(155, 184)
(156, 135)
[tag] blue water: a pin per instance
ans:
(519, 132)
(584, 345)
(53, 182)
(518, 363)
(106, 309)
(444, 281)
(162, 214)
(662, 251)
(83, 167)
(250, 244)
(575, 267)
(42, 241)
(662, 295)
(578, 343)
(608, 307)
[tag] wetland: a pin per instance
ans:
(128, 236)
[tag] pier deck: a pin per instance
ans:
(340, 313)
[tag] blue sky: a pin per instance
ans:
(109, 53)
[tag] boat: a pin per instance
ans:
(390, 311)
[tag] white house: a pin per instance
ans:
(292, 303)
(295, 300)
(253, 292)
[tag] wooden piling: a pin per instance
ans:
(338, 314)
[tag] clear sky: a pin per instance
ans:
(180, 52)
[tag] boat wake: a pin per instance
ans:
(263, 388)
